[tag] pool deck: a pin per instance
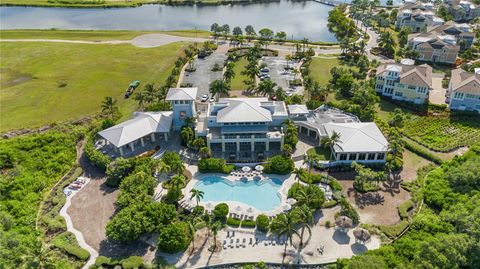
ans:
(287, 181)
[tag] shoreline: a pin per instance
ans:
(115, 4)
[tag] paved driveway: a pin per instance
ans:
(277, 73)
(437, 94)
(203, 75)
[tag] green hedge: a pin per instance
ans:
(404, 207)
(248, 223)
(394, 230)
(335, 185)
(68, 243)
(214, 165)
(124, 263)
(233, 222)
(423, 153)
(221, 211)
(100, 160)
(329, 204)
(349, 211)
(279, 165)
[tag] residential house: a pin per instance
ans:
(463, 10)
(417, 16)
(464, 90)
(404, 81)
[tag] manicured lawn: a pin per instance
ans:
(323, 153)
(384, 109)
(237, 82)
(443, 133)
(46, 82)
(91, 35)
(320, 69)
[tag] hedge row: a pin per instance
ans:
(100, 160)
(233, 222)
(126, 263)
(404, 207)
(68, 243)
(423, 153)
(214, 165)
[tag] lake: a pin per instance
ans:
(298, 19)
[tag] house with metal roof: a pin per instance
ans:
(144, 126)
(464, 90)
(404, 81)
(417, 16)
(183, 104)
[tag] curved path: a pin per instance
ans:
(78, 234)
(156, 40)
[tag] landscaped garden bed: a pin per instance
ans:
(443, 133)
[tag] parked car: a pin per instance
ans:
(204, 98)
(265, 70)
(212, 99)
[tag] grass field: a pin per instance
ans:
(237, 82)
(323, 153)
(46, 82)
(320, 69)
(92, 35)
(87, 3)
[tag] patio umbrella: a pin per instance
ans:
(238, 209)
(361, 234)
(246, 169)
(209, 205)
(259, 168)
(344, 222)
(291, 201)
(250, 210)
(287, 207)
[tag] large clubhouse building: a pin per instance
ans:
(239, 129)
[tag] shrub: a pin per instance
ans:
(335, 185)
(349, 211)
(117, 170)
(214, 165)
(292, 192)
(103, 261)
(132, 262)
(423, 153)
(173, 196)
(248, 223)
(313, 104)
(404, 207)
(263, 223)
(279, 165)
(198, 210)
(221, 211)
(174, 237)
(100, 160)
(327, 224)
(329, 204)
(233, 222)
(394, 230)
(67, 242)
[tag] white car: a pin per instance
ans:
(212, 99)
(204, 98)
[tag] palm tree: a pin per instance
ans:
(177, 181)
(197, 194)
(140, 98)
(305, 43)
(192, 229)
(266, 88)
(387, 43)
(297, 172)
(219, 88)
(215, 227)
(331, 142)
(284, 225)
(189, 121)
(109, 107)
(289, 59)
(205, 152)
(163, 168)
(177, 167)
(305, 216)
(150, 92)
(229, 73)
(39, 257)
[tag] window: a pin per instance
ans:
(470, 96)
(422, 89)
(362, 156)
(352, 156)
(380, 156)
(388, 91)
(343, 157)
(398, 94)
(458, 95)
(411, 87)
(371, 156)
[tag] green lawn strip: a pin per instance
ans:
(43, 83)
(404, 207)
(320, 69)
(237, 81)
(93, 35)
(323, 153)
(385, 107)
(67, 242)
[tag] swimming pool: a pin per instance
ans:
(260, 194)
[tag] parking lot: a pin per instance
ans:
(203, 75)
(280, 75)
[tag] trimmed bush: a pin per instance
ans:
(394, 230)
(103, 261)
(132, 262)
(221, 211)
(233, 222)
(329, 204)
(67, 242)
(335, 185)
(174, 237)
(263, 223)
(404, 207)
(349, 211)
(279, 165)
(100, 160)
(248, 223)
(214, 165)
(423, 153)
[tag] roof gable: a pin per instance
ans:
(177, 94)
(358, 137)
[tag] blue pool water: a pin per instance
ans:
(262, 194)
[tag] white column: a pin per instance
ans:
(358, 154)
(166, 136)
(121, 151)
(281, 143)
(308, 132)
(143, 142)
(131, 145)
(238, 142)
(223, 145)
(152, 136)
(267, 145)
(252, 144)
(208, 143)
(376, 155)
